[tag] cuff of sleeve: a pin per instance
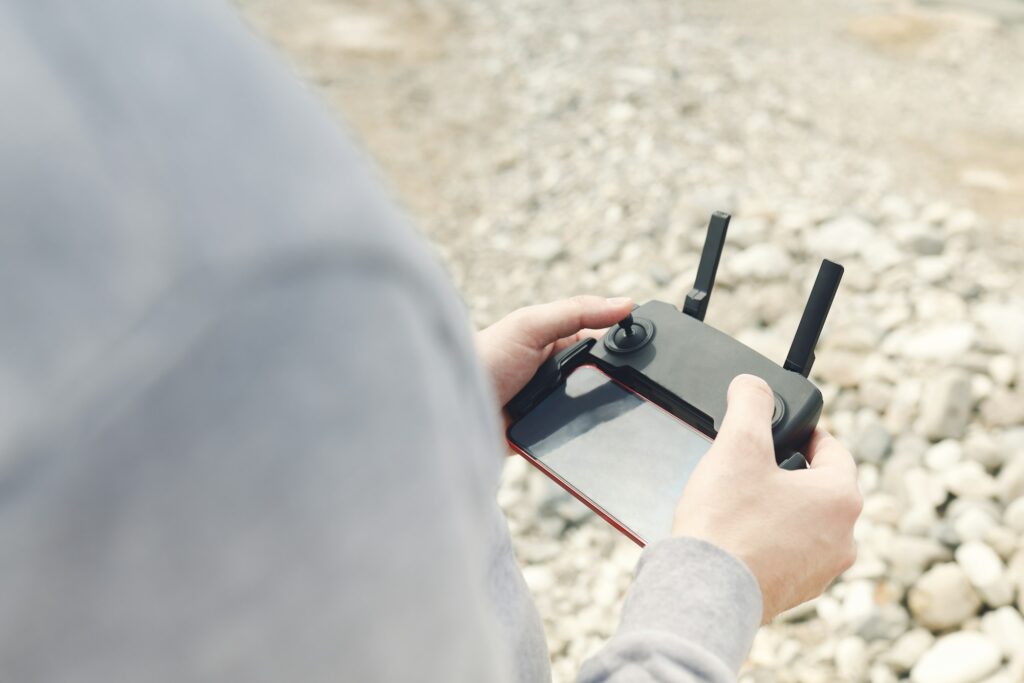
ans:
(699, 592)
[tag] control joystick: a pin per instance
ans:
(631, 334)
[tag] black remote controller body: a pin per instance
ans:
(675, 360)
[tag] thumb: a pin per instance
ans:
(747, 427)
(547, 323)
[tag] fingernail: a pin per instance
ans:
(618, 301)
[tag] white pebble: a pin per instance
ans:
(1006, 627)
(1003, 369)
(973, 524)
(986, 573)
(964, 657)
(944, 455)
(851, 659)
(943, 598)
(1014, 515)
(908, 648)
(969, 480)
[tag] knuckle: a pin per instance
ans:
(521, 315)
(848, 557)
(852, 503)
(840, 449)
(578, 305)
(522, 324)
(845, 498)
(858, 503)
(828, 442)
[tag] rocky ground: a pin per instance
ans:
(554, 148)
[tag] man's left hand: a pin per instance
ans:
(514, 347)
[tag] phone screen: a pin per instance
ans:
(627, 456)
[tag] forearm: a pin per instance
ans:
(690, 616)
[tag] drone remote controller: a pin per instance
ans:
(676, 361)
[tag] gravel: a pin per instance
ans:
(548, 149)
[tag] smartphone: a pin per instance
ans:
(623, 456)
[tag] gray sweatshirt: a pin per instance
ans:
(243, 434)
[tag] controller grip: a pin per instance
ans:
(797, 461)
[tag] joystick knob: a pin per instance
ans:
(629, 335)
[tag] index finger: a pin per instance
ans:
(547, 323)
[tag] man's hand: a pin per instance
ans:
(794, 530)
(514, 347)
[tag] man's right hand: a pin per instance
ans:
(793, 529)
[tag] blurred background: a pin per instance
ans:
(552, 148)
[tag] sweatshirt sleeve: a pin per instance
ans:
(691, 615)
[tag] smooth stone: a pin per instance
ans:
(915, 553)
(982, 447)
(1003, 369)
(969, 480)
(896, 208)
(1003, 325)
(986, 572)
(921, 238)
(539, 578)
(747, 231)
(932, 269)
(851, 659)
(973, 524)
(625, 284)
(923, 487)
(888, 622)
(918, 520)
(763, 261)
(943, 598)
(875, 394)
(882, 508)
(1003, 408)
(908, 648)
(964, 657)
(545, 249)
(944, 342)
(873, 442)
(946, 406)
(846, 235)
(858, 604)
(1002, 540)
(1010, 482)
(1006, 627)
(880, 673)
(1014, 515)
(944, 455)
(904, 405)
(601, 253)
(1006, 675)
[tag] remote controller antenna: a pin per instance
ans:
(801, 353)
(696, 304)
